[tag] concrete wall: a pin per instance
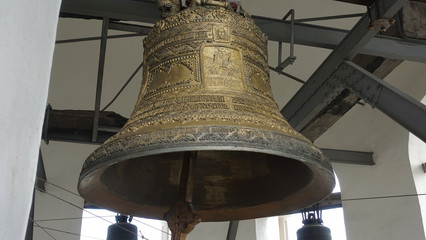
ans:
(27, 38)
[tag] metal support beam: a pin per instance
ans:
(129, 27)
(136, 29)
(395, 48)
(325, 37)
(355, 15)
(232, 230)
(30, 225)
(276, 29)
(317, 93)
(304, 34)
(129, 10)
(105, 25)
(76, 126)
(349, 157)
(73, 40)
(41, 173)
(408, 112)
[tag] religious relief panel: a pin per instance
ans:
(181, 71)
(221, 67)
(221, 33)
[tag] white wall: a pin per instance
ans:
(218, 230)
(72, 86)
(27, 36)
(417, 154)
(267, 228)
(63, 162)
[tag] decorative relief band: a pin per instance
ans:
(175, 72)
(233, 117)
(200, 15)
(209, 135)
(196, 19)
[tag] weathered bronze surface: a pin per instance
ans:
(206, 89)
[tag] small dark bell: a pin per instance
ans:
(314, 231)
(122, 230)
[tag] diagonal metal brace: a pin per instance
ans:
(402, 108)
(311, 99)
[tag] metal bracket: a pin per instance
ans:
(358, 83)
(46, 123)
(381, 24)
(291, 58)
(119, 26)
(402, 108)
(41, 173)
(349, 157)
(377, 21)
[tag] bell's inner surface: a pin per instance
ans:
(206, 90)
(223, 179)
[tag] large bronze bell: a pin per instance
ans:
(206, 138)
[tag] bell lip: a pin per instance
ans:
(322, 182)
(316, 158)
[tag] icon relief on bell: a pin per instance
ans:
(221, 34)
(221, 67)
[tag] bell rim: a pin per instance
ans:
(317, 162)
(100, 155)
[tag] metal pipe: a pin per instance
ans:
(232, 230)
(354, 15)
(287, 75)
(129, 27)
(292, 36)
(280, 52)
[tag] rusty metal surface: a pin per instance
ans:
(413, 19)
(206, 89)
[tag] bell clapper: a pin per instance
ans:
(181, 218)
